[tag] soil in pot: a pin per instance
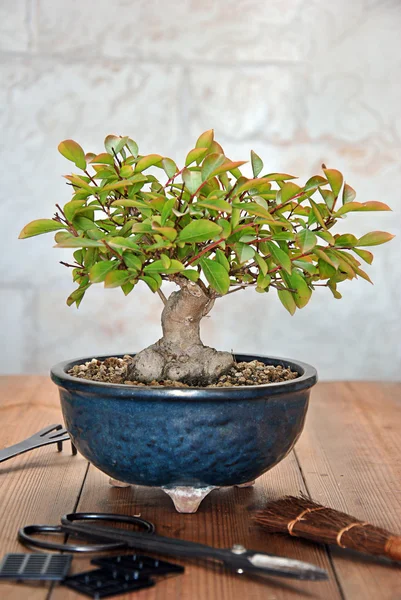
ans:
(114, 370)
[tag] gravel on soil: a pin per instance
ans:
(114, 370)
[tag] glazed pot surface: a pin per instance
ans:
(195, 437)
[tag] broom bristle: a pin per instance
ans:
(302, 517)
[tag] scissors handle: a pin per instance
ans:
(27, 535)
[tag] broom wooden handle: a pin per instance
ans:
(393, 548)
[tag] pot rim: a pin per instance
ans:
(307, 378)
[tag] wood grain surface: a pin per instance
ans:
(349, 457)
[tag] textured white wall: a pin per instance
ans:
(300, 81)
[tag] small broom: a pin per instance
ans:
(301, 517)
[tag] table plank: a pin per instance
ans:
(223, 519)
(350, 458)
(38, 486)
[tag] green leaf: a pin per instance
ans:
(194, 155)
(318, 214)
(99, 271)
(243, 252)
(191, 274)
(72, 207)
(314, 182)
(116, 278)
(262, 264)
(151, 282)
(326, 236)
(254, 184)
(365, 255)
(215, 204)
(122, 242)
(349, 194)
(73, 152)
(83, 223)
(375, 238)
(222, 259)
(329, 258)
(166, 260)
(103, 159)
(205, 139)
(140, 227)
(226, 227)
(216, 275)
(306, 240)
(126, 171)
(76, 297)
(78, 242)
(127, 287)
(167, 210)
(325, 269)
(335, 180)
(229, 165)
(192, 180)
(199, 231)
(305, 266)
(288, 191)
(362, 206)
(132, 147)
(263, 281)
(169, 232)
(253, 208)
(280, 257)
(132, 261)
(110, 143)
(157, 266)
(347, 239)
(333, 288)
(257, 163)
(287, 300)
(211, 162)
(147, 161)
(40, 226)
(329, 198)
(169, 167)
(362, 274)
(120, 144)
(80, 182)
(302, 292)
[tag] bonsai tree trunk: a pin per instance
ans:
(180, 355)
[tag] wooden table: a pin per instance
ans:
(348, 457)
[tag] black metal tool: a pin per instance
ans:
(26, 534)
(237, 558)
(35, 567)
(137, 563)
(53, 434)
(102, 583)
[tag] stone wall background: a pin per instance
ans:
(300, 81)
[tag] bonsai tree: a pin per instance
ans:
(208, 229)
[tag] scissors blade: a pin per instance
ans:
(248, 562)
(286, 567)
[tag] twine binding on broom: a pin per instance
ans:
(291, 524)
(347, 528)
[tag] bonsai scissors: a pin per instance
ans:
(237, 558)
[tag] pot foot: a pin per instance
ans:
(116, 483)
(245, 485)
(187, 499)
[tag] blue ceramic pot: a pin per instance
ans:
(195, 437)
